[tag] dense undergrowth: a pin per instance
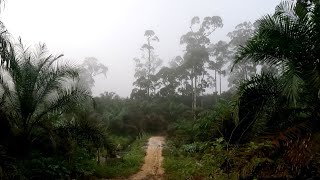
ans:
(266, 126)
(129, 162)
(269, 127)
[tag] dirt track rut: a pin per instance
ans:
(152, 167)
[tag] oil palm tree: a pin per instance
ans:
(87, 128)
(34, 85)
(290, 41)
(261, 107)
(285, 105)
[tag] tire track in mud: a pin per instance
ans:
(152, 167)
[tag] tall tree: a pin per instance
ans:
(181, 75)
(173, 79)
(147, 67)
(168, 81)
(89, 69)
(197, 55)
(221, 53)
(241, 71)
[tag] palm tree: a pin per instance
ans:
(34, 86)
(87, 128)
(258, 106)
(290, 41)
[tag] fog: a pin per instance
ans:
(112, 31)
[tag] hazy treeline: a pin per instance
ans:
(264, 126)
(268, 127)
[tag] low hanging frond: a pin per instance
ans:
(40, 86)
(288, 40)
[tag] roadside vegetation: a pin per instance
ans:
(266, 125)
(269, 126)
(129, 162)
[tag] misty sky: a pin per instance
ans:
(112, 30)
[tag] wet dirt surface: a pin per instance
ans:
(152, 167)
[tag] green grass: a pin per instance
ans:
(121, 142)
(129, 164)
(179, 165)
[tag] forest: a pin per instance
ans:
(264, 126)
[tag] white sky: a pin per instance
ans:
(112, 30)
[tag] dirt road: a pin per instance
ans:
(152, 167)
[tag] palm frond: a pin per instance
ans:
(288, 40)
(291, 84)
(61, 100)
(255, 96)
(39, 85)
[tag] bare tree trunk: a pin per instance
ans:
(194, 92)
(195, 98)
(202, 100)
(149, 68)
(215, 80)
(98, 154)
(192, 96)
(220, 81)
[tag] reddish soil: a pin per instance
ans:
(152, 167)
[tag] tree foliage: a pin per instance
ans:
(146, 68)
(89, 69)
